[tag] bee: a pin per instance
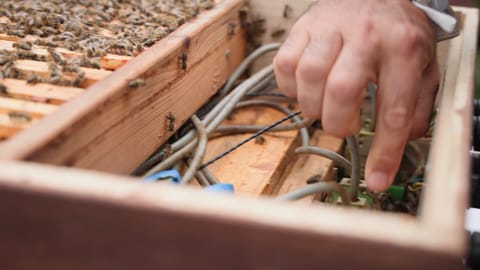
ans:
(314, 179)
(4, 60)
(19, 117)
(134, 84)
(183, 60)
(171, 122)
(3, 90)
(32, 79)
(260, 140)
(276, 33)
(287, 11)
(23, 45)
(231, 28)
(56, 57)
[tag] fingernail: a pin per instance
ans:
(378, 181)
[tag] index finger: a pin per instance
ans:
(399, 84)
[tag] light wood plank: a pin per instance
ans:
(253, 169)
(446, 195)
(114, 220)
(9, 128)
(35, 109)
(48, 93)
(110, 61)
(41, 69)
(305, 166)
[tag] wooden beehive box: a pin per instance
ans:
(55, 217)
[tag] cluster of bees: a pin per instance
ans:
(92, 28)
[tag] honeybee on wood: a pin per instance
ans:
(183, 60)
(134, 84)
(3, 90)
(32, 79)
(260, 140)
(23, 45)
(19, 117)
(171, 122)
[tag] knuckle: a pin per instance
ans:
(285, 62)
(340, 129)
(312, 114)
(342, 90)
(397, 118)
(409, 40)
(311, 70)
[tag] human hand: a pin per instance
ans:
(338, 47)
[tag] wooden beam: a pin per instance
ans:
(110, 61)
(47, 93)
(87, 220)
(35, 109)
(446, 196)
(104, 117)
(305, 166)
(8, 127)
(254, 168)
(41, 69)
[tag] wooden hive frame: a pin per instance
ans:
(64, 218)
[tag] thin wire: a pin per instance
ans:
(260, 132)
(312, 189)
(355, 175)
(199, 153)
(338, 159)
(303, 130)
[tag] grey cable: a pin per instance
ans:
(313, 189)
(236, 95)
(233, 129)
(261, 86)
(210, 177)
(246, 63)
(202, 179)
(355, 175)
(199, 153)
(338, 159)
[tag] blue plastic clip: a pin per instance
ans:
(172, 175)
(224, 188)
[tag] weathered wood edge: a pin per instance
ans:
(65, 131)
(446, 194)
(69, 218)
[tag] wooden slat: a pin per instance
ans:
(53, 94)
(446, 195)
(253, 169)
(9, 128)
(87, 220)
(101, 120)
(110, 61)
(35, 109)
(41, 69)
(305, 166)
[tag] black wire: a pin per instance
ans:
(258, 133)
